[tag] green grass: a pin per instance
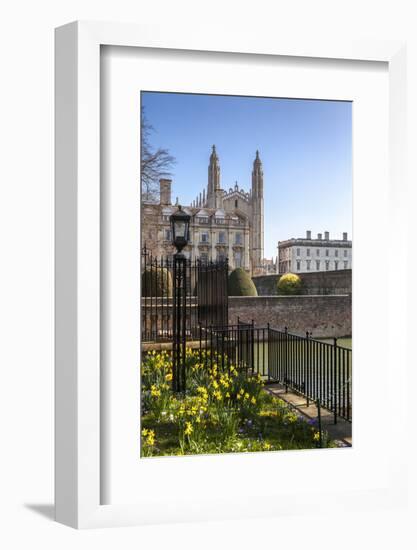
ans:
(221, 411)
(342, 342)
(276, 423)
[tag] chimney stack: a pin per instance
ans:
(326, 236)
(308, 235)
(345, 236)
(319, 236)
(165, 191)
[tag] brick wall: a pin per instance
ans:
(322, 282)
(324, 316)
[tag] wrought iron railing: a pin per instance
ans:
(319, 371)
(206, 298)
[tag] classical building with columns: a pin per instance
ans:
(223, 223)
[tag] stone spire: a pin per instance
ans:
(213, 186)
(257, 177)
(257, 203)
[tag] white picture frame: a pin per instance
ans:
(78, 426)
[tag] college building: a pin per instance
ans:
(224, 224)
(308, 254)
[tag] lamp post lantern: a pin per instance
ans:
(180, 227)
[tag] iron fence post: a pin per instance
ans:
(308, 369)
(335, 378)
(286, 359)
(179, 323)
(268, 354)
(252, 345)
(319, 421)
(200, 336)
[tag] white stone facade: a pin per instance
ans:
(309, 254)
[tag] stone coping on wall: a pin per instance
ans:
(289, 297)
(167, 346)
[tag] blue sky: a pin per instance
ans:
(305, 147)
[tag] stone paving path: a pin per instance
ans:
(340, 432)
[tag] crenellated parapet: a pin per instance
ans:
(236, 192)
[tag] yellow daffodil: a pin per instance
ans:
(155, 392)
(188, 428)
(217, 395)
(149, 436)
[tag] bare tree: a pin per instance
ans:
(155, 164)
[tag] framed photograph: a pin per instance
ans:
(224, 211)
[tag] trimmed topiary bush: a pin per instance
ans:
(240, 284)
(289, 284)
(157, 283)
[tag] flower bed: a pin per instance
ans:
(222, 411)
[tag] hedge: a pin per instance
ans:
(240, 284)
(289, 284)
(157, 283)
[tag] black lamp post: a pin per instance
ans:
(180, 227)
